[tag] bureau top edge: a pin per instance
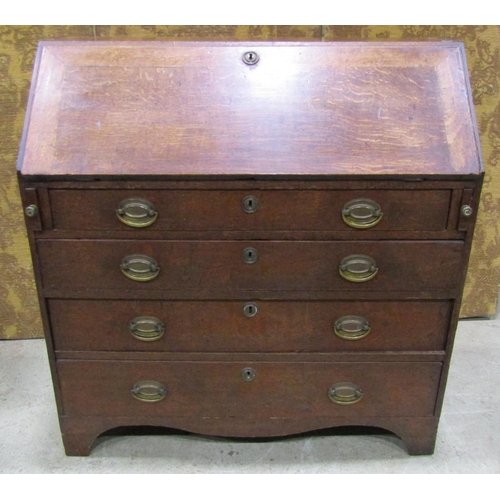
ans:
(398, 179)
(201, 108)
(253, 43)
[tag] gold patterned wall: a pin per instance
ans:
(19, 313)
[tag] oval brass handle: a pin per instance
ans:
(362, 213)
(358, 268)
(351, 327)
(146, 328)
(345, 393)
(136, 212)
(149, 391)
(139, 267)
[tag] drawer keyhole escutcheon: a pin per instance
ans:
(149, 391)
(146, 328)
(250, 309)
(139, 267)
(358, 268)
(248, 374)
(345, 393)
(136, 212)
(250, 204)
(250, 57)
(352, 327)
(362, 213)
(250, 255)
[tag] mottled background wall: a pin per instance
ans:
(19, 313)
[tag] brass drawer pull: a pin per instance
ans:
(146, 328)
(362, 213)
(149, 391)
(250, 255)
(136, 212)
(250, 310)
(351, 327)
(250, 204)
(358, 268)
(345, 393)
(140, 267)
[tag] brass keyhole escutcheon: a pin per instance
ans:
(250, 310)
(248, 374)
(250, 255)
(250, 204)
(251, 57)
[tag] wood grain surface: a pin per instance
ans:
(277, 210)
(180, 108)
(89, 265)
(204, 389)
(221, 326)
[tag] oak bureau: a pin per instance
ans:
(250, 239)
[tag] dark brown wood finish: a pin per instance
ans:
(193, 129)
(89, 265)
(418, 433)
(326, 109)
(222, 326)
(198, 389)
(199, 210)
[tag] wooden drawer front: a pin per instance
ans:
(278, 326)
(202, 265)
(280, 389)
(200, 210)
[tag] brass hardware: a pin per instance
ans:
(358, 268)
(466, 211)
(139, 267)
(146, 328)
(251, 57)
(250, 255)
(250, 310)
(149, 391)
(345, 393)
(250, 204)
(362, 213)
(31, 210)
(351, 327)
(136, 212)
(248, 374)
